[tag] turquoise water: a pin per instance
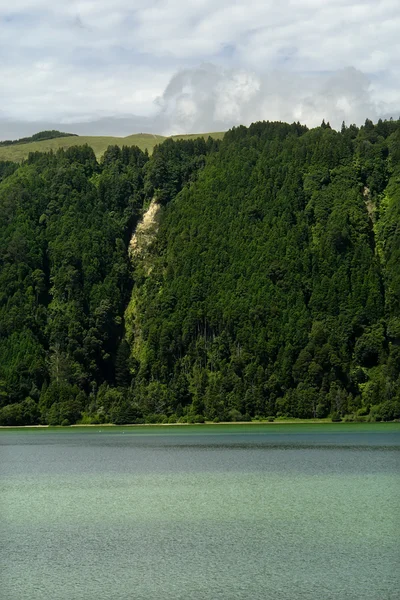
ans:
(258, 512)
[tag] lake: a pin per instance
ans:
(202, 512)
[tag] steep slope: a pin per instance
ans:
(262, 279)
(66, 223)
(268, 294)
(145, 232)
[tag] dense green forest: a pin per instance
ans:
(38, 137)
(270, 288)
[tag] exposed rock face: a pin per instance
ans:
(371, 207)
(139, 252)
(145, 231)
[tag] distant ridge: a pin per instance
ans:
(19, 150)
(38, 137)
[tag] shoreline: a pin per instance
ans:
(206, 423)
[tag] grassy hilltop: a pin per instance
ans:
(145, 141)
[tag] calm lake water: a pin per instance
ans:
(239, 512)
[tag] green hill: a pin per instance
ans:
(144, 141)
(37, 137)
(262, 282)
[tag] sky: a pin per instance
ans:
(179, 66)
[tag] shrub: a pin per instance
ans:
(88, 419)
(321, 411)
(336, 418)
(161, 418)
(152, 418)
(11, 415)
(235, 415)
(386, 411)
(349, 418)
(64, 411)
(24, 413)
(123, 413)
(360, 418)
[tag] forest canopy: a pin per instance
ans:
(270, 286)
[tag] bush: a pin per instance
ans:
(88, 419)
(386, 411)
(199, 419)
(65, 423)
(11, 415)
(349, 418)
(270, 419)
(173, 419)
(336, 418)
(360, 419)
(64, 411)
(321, 411)
(23, 413)
(372, 418)
(152, 418)
(124, 412)
(216, 420)
(235, 415)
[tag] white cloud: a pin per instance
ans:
(88, 58)
(219, 98)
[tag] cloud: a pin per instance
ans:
(84, 60)
(209, 98)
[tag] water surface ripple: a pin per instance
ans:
(280, 513)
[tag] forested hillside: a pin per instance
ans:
(271, 288)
